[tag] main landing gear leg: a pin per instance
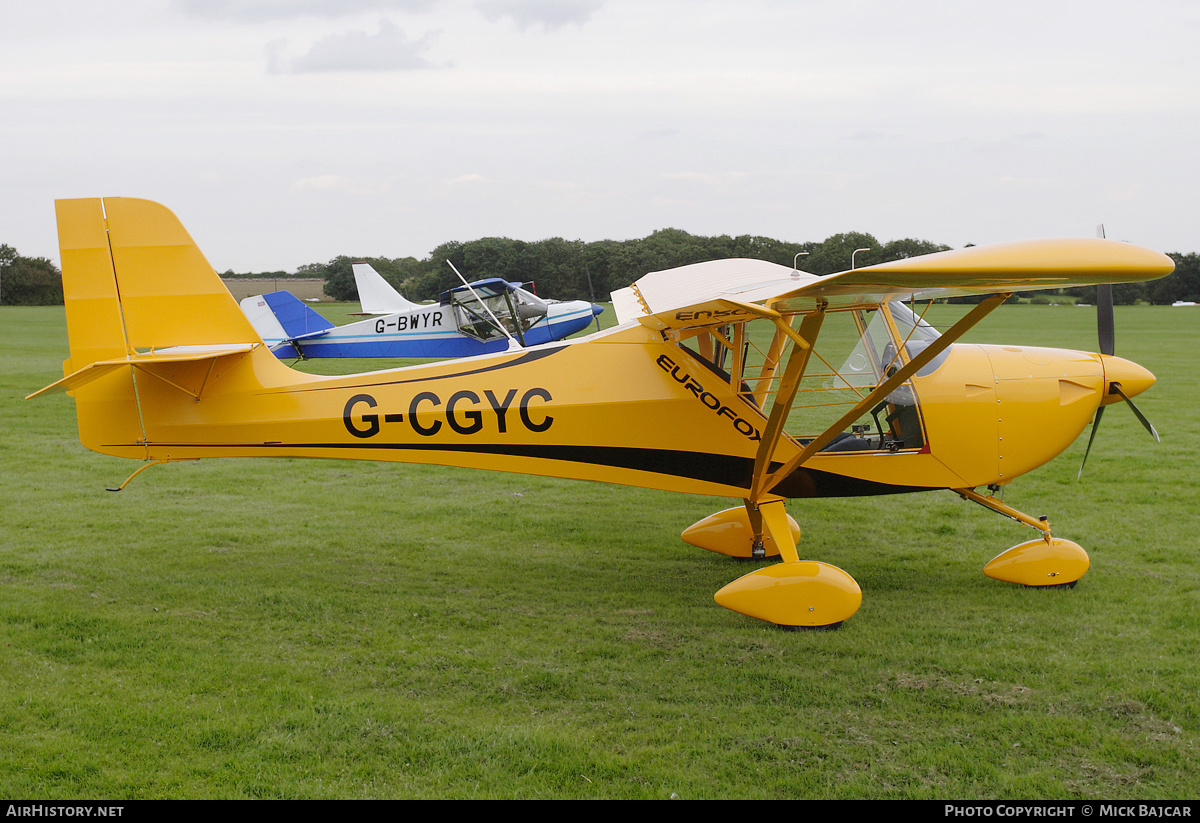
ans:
(795, 593)
(1048, 561)
(738, 533)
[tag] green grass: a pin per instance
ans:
(327, 629)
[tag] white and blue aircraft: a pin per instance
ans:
(476, 318)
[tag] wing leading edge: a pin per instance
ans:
(707, 293)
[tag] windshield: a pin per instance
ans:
(481, 311)
(875, 354)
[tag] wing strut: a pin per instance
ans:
(802, 343)
(765, 479)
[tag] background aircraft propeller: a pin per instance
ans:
(1108, 344)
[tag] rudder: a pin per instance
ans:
(170, 295)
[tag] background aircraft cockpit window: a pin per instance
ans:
(477, 310)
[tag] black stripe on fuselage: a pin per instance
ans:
(725, 470)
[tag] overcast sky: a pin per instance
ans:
(285, 133)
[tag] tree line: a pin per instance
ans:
(578, 270)
(28, 281)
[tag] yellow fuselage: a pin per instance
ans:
(625, 406)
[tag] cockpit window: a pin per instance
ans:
(879, 345)
(488, 309)
(856, 350)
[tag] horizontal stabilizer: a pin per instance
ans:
(151, 363)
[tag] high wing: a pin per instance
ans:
(713, 302)
(712, 384)
(711, 293)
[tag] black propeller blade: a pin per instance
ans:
(1104, 320)
(1116, 387)
(592, 294)
(1106, 328)
(1095, 425)
(1104, 314)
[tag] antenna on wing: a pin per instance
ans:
(512, 341)
(591, 293)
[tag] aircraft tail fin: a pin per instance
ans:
(282, 319)
(376, 295)
(133, 279)
(135, 284)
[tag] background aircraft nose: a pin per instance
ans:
(1133, 378)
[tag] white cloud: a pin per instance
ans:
(256, 11)
(550, 14)
(389, 50)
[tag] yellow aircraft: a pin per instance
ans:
(734, 378)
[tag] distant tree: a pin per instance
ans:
(339, 279)
(399, 271)
(28, 281)
(436, 276)
(774, 251)
(908, 247)
(596, 261)
(1182, 284)
(562, 268)
(835, 253)
(316, 270)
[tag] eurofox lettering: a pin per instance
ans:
(743, 426)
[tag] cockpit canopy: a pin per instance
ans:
(857, 350)
(494, 308)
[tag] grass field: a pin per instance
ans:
(328, 629)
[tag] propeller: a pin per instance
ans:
(1106, 329)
